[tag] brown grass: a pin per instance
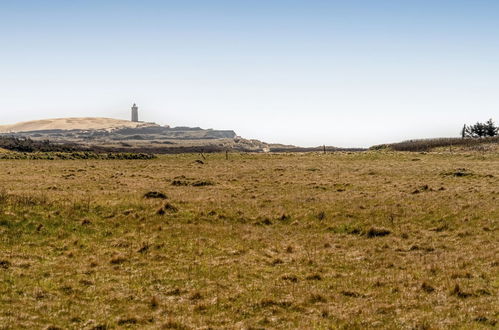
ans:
(271, 244)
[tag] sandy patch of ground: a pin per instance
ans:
(88, 123)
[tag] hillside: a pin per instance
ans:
(488, 143)
(85, 123)
(107, 134)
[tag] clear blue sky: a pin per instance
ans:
(308, 72)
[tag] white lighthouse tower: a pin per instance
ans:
(135, 113)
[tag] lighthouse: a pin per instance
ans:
(135, 113)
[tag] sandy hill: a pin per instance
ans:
(89, 123)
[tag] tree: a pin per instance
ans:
(490, 128)
(480, 130)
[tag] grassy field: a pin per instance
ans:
(311, 241)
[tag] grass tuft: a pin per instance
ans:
(155, 194)
(118, 260)
(456, 291)
(427, 287)
(377, 232)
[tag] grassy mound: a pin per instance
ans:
(431, 144)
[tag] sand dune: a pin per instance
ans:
(89, 123)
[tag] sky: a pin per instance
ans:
(304, 72)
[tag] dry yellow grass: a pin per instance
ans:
(386, 240)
